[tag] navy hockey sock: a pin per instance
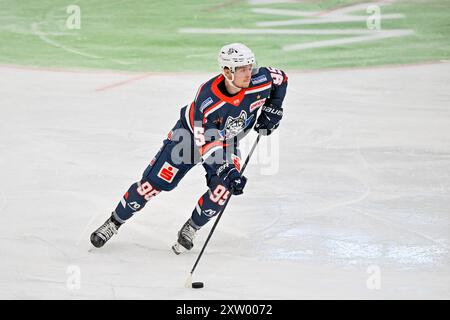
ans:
(209, 205)
(134, 200)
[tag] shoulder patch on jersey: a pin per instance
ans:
(206, 103)
(259, 79)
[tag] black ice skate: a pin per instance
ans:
(185, 238)
(100, 236)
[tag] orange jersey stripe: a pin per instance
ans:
(209, 146)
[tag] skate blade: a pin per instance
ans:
(177, 248)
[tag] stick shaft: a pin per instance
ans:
(226, 203)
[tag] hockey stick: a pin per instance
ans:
(189, 279)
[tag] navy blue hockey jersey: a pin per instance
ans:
(217, 120)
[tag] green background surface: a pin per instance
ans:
(143, 35)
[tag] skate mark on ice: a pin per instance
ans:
(387, 221)
(48, 243)
(350, 174)
(82, 195)
(401, 227)
(320, 211)
(3, 201)
(86, 230)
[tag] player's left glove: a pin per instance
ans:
(231, 178)
(268, 120)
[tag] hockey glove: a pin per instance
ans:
(231, 178)
(268, 120)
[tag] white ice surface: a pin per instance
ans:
(363, 180)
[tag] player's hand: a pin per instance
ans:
(231, 178)
(268, 120)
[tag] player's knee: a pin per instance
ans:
(146, 190)
(138, 195)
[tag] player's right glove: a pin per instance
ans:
(268, 120)
(231, 178)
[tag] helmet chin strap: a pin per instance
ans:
(231, 82)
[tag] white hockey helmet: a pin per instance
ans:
(236, 55)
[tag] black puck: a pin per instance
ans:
(197, 285)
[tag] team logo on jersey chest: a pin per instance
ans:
(233, 126)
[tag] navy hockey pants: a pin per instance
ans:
(165, 172)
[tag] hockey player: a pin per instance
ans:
(208, 132)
